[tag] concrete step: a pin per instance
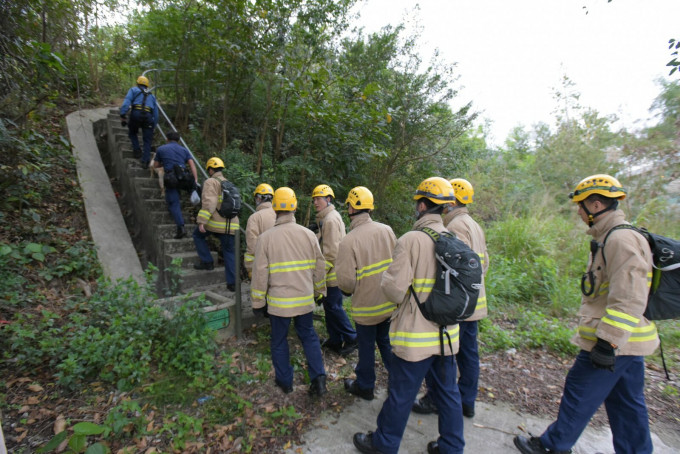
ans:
(167, 231)
(194, 279)
(173, 246)
(188, 259)
(146, 182)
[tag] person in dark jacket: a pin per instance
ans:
(143, 114)
(167, 156)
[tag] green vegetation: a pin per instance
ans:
(285, 92)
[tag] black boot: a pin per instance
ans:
(181, 232)
(364, 443)
(533, 445)
(136, 153)
(424, 406)
(318, 386)
(204, 266)
(433, 447)
(352, 388)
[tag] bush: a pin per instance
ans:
(116, 336)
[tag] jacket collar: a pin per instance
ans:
(323, 213)
(458, 211)
(432, 220)
(606, 222)
(360, 219)
(286, 218)
(263, 206)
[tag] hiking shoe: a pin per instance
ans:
(318, 386)
(231, 287)
(533, 445)
(332, 346)
(433, 447)
(352, 387)
(204, 266)
(364, 443)
(287, 389)
(180, 232)
(137, 153)
(349, 347)
(424, 406)
(468, 411)
(145, 164)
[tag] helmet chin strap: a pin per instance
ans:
(428, 211)
(592, 216)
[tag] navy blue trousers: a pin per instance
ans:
(404, 383)
(337, 323)
(467, 360)
(135, 123)
(174, 205)
(281, 354)
(227, 244)
(622, 393)
(368, 336)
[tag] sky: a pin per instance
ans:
(512, 55)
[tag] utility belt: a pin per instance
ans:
(141, 107)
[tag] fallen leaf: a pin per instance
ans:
(33, 400)
(24, 409)
(35, 388)
(59, 424)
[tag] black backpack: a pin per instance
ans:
(230, 200)
(457, 284)
(663, 301)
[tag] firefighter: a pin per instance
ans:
(263, 219)
(458, 221)
(342, 338)
(363, 256)
(416, 340)
(143, 114)
(211, 223)
(613, 334)
(288, 272)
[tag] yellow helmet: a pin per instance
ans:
(323, 190)
(263, 189)
(284, 200)
(142, 80)
(360, 198)
(602, 184)
(437, 189)
(214, 163)
(463, 190)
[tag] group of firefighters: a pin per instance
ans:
(293, 268)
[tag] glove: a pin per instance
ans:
(345, 293)
(261, 312)
(123, 122)
(603, 356)
(320, 299)
(314, 227)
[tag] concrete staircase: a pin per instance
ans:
(152, 230)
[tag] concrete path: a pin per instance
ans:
(490, 431)
(115, 251)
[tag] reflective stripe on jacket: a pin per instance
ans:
(469, 232)
(289, 269)
(263, 219)
(210, 199)
(614, 310)
(331, 232)
(363, 256)
(413, 337)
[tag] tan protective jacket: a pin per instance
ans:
(263, 219)
(469, 232)
(412, 336)
(289, 270)
(211, 196)
(363, 256)
(331, 232)
(614, 310)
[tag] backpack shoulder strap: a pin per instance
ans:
(642, 232)
(433, 234)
